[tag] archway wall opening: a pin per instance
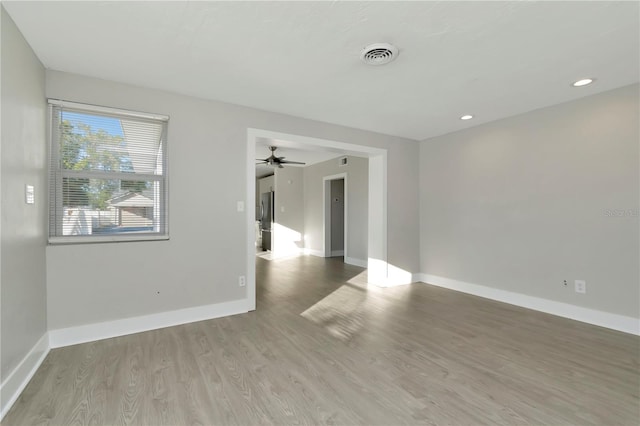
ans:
(393, 207)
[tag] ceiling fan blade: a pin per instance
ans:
(291, 162)
(262, 159)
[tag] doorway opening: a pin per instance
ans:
(376, 245)
(335, 215)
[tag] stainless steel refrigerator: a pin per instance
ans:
(266, 219)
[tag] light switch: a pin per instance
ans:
(282, 209)
(30, 194)
(240, 206)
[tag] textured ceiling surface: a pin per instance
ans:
(490, 59)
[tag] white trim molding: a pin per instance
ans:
(108, 110)
(122, 327)
(377, 211)
(312, 252)
(355, 262)
(350, 260)
(591, 316)
(18, 379)
(326, 214)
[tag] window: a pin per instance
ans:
(108, 174)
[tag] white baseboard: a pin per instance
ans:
(356, 262)
(591, 316)
(312, 252)
(18, 379)
(350, 260)
(104, 330)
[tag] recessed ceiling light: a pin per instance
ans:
(583, 82)
(466, 117)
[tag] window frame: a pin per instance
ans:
(57, 174)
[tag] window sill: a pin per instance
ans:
(92, 239)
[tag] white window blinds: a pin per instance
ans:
(108, 174)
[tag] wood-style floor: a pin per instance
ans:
(322, 348)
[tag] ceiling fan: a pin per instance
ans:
(274, 161)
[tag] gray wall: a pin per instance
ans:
(289, 197)
(200, 264)
(289, 210)
(357, 170)
(266, 184)
(23, 161)
(337, 215)
(522, 204)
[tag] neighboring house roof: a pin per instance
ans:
(131, 199)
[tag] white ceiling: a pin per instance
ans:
(490, 59)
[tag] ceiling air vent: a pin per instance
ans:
(379, 54)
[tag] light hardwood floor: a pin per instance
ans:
(323, 348)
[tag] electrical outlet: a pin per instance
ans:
(581, 286)
(242, 281)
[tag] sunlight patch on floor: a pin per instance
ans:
(383, 274)
(340, 313)
(269, 255)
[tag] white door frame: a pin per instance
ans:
(326, 214)
(377, 212)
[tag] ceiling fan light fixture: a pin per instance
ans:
(274, 161)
